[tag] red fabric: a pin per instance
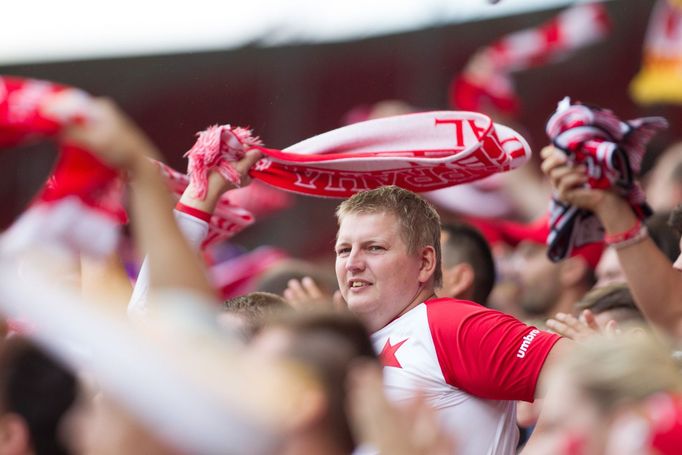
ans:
(665, 412)
(20, 116)
(507, 355)
(612, 152)
(217, 148)
(419, 152)
(196, 213)
(235, 276)
(512, 233)
(623, 236)
(487, 77)
(81, 185)
(227, 219)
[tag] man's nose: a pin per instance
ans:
(355, 260)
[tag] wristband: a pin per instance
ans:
(196, 213)
(614, 239)
(640, 235)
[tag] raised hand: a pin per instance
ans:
(306, 294)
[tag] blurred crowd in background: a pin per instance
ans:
(545, 318)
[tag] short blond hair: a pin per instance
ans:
(419, 221)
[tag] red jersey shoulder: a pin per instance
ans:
(447, 311)
(485, 352)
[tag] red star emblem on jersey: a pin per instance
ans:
(387, 355)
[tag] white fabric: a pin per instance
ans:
(194, 230)
(480, 427)
(68, 224)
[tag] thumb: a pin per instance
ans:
(588, 318)
(251, 157)
(243, 166)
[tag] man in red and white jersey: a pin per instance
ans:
(472, 363)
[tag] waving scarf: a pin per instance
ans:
(487, 77)
(79, 205)
(612, 151)
(419, 152)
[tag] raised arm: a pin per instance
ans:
(111, 135)
(655, 284)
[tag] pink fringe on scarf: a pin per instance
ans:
(217, 148)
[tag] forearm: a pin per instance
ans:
(172, 262)
(653, 282)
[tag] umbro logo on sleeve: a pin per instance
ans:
(521, 353)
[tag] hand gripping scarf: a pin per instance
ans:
(419, 152)
(660, 80)
(79, 205)
(612, 151)
(487, 77)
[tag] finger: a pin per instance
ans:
(559, 173)
(243, 166)
(562, 329)
(611, 328)
(311, 288)
(290, 297)
(296, 289)
(570, 321)
(589, 320)
(549, 150)
(250, 158)
(553, 159)
(295, 295)
(570, 182)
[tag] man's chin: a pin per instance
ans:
(359, 305)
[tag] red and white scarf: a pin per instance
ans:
(227, 218)
(419, 152)
(612, 151)
(79, 206)
(487, 77)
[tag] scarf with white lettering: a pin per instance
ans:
(487, 76)
(419, 152)
(78, 208)
(612, 151)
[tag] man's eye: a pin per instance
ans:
(342, 251)
(376, 248)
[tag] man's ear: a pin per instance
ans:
(458, 281)
(14, 435)
(428, 263)
(572, 271)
